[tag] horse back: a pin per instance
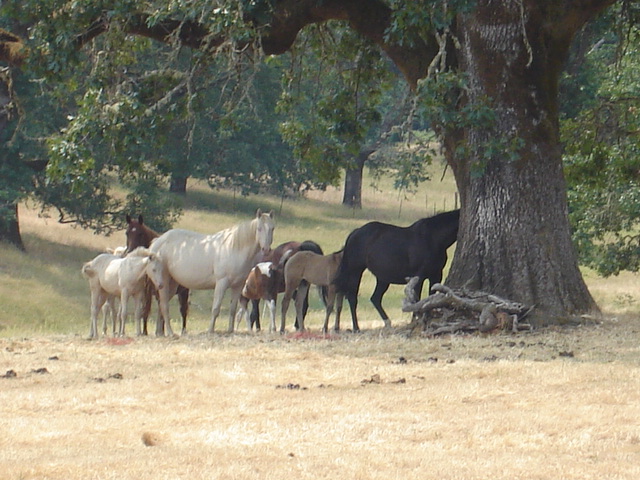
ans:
(102, 272)
(198, 261)
(391, 253)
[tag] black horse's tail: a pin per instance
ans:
(341, 280)
(311, 246)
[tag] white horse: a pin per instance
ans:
(220, 261)
(111, 276)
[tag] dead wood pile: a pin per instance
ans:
(448, 311)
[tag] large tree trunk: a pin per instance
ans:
(514, 237)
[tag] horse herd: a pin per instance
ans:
(240, 259)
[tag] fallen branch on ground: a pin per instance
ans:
(448, 311)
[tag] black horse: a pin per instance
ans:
(394, 254)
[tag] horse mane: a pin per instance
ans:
(150, 230)
(242, 234)
(439, 219)
(140, 252)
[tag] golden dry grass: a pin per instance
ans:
(553, 404)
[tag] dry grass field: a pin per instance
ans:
(558, 403)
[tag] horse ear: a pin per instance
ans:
(258, 213)
(272, 214)
(128, 218)
(140, 221)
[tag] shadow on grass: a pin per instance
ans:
(58, 266)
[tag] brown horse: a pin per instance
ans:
(278, 257)
(139, 235)
(311, 268)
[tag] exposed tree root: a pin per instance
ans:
(449, 311)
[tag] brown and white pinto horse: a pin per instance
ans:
(264, 282)
(139, 235)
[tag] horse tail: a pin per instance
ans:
(323, 293)
(88, 271)
(285, 256)
(341, 280)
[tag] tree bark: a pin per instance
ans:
(514, 237)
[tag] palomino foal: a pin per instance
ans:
(110, 276)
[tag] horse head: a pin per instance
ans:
(138, 234)
(134, 233)
(154, 269)
(264, 230)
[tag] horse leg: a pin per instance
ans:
(376, 299)
(164, 321)
(124, 300)
(106, 311)
(138, 307)
(218, 294)
(149, 293)
(418, 291)
(254, 318)
(285, 306)
(97, 301)
(115, 307)
(303, 291)
(233, 308)
(286, 299)
(331, 298)
(272, 309)
(183, 298)
(243, 313)
(351, 293)
(338, 304)
(305, 304)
